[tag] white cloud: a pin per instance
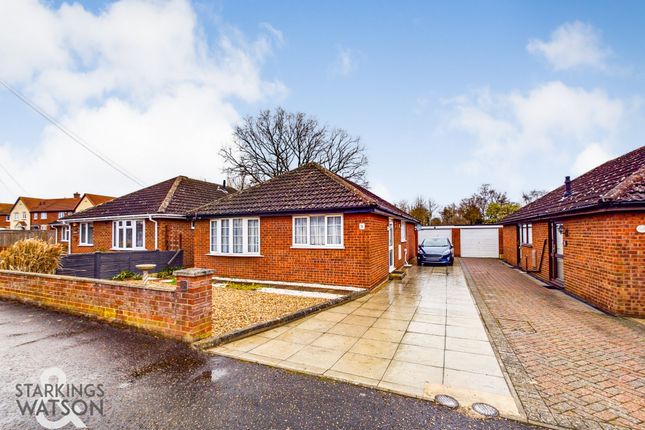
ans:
(141, 81)
(572, 45)
(345, 64)
(592, 156)
(510, 132)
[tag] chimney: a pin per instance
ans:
(567, 186)
(77, 195)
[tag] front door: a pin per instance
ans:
(557, 253)
(390, 235)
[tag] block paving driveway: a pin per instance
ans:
(571, 365)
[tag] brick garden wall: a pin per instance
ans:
(362, 263)
(456, 242)
(180, 313)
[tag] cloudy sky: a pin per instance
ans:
(445, 96)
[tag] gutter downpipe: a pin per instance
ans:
(156, 232)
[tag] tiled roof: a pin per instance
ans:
(98, 199)
(35, 204)
(5, 208)
(620, 181)
(175, 196)
(307, 188)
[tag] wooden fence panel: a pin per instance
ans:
(104, 265)
(9, 237)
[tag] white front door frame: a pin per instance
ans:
(390, 235)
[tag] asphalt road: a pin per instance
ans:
(153, 383)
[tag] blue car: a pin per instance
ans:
(435, 250)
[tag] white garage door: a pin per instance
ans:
(434, 232)
(480, 242)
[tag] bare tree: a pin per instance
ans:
(531, 196)
(277, 141)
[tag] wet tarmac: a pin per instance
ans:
(153, 383)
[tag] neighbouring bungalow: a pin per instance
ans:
(588, 236)
(309, 226)
(5, 215)
(153, 218)
(33, 213)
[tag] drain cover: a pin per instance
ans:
(485, 409)
(446, 400)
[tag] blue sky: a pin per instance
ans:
(444, 95)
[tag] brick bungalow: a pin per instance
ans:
(153, 218)
(308, 225)
(588, 236)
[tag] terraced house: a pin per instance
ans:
(588, 236)
(153, 218)
(308, 225)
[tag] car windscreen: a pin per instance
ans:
(435, 241)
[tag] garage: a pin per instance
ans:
(428, 232)
(480, 241)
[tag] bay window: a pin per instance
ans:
(318, 231)
(86, 234)
(235, 236)
(128, 234)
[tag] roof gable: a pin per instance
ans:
(175, 196)
(307, 188)
(36, 204)
(617, 182)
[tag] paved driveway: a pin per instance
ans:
(152, 383)
(419, 336)
(571, 365)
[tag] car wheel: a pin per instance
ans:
(451, 261)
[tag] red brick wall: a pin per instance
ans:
(174, 312)
(509, 244)
(172, 235)
(530, 255)
(604, 261)
(51, 217)
(3, 221)
(363, 262)
(456, 241)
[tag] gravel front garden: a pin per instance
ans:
(235, 309)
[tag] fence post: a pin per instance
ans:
(97, 265)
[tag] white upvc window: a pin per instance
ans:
(129, 234)
(86, 234)
(317, 231)
(8, 218)
(16, 216)
(404, 233)
(24, 215)
(526, 234)
(61, 214)
(235, 236)
(64, 233)
(43, 215)
(35, 215)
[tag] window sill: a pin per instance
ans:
(217, 254)
(85, 245)
(526, 245)
(317, 247)
(128, 249)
